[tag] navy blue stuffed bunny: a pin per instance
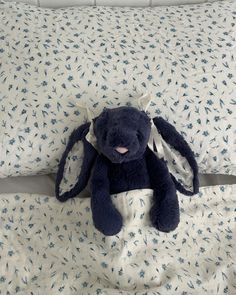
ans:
(122, 160)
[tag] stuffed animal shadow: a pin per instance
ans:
(125, 150)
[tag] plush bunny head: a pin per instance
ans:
(122, 133)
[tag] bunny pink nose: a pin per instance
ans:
(121, 150)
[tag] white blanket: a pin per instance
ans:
(47, 247)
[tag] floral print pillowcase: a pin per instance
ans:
(53, 60)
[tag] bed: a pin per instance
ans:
(51, 247)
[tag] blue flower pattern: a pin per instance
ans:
(51, 60)
(52, 248)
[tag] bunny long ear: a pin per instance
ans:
(75, 165)
(177, 154)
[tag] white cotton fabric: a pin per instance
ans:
(48, 247)
(51, 60)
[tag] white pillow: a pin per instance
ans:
(50, 60)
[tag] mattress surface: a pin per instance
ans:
(49, 247)
(40, 184)
(45, 184)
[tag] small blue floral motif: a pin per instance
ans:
(54, 60)
(60, 240)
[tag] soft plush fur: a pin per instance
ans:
(122, 129)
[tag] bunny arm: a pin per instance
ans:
(89, 158)
(106, 217)
(164, 213)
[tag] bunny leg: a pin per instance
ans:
(164, 213)
(106, 217)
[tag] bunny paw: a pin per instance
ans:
(108, 222)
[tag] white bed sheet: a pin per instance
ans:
(48, 247)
